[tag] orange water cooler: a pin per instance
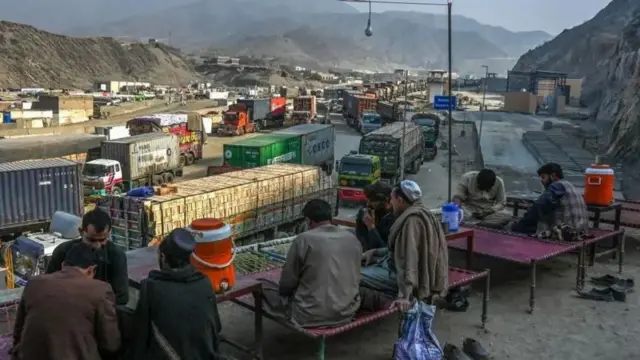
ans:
(599, 180)
(214, 252)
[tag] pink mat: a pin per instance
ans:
(520, 249)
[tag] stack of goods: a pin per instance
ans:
(250, 200)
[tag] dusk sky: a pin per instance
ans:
(552, 16)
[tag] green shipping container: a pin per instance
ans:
(263, 149)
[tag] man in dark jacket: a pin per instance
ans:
(177, 312)
(373, 222)
(112, 268)
(68, 314)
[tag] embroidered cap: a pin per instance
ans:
(411, 190)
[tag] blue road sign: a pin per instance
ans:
(442, 102)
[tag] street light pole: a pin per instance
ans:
(484, 96)
(449, 190)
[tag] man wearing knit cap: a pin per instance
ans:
(416, 260)
(185, 319)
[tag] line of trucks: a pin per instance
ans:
(253, 115)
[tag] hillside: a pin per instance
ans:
(258, 27)
(33, 57)
(606, 51)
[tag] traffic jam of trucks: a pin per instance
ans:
(259, 189)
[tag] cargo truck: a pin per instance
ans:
(259, 204)
(34, 190)
(149, 159)
(389, 112)
(370, 121)
(430, 124)
(358, 105)
(251, 115)
(308, 144)
(188, 127)
(74, 147)
(304, 109)
(355, 171)
(386, 143)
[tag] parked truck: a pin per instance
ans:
(355, 171)
(260, 204)
(308, 144)
(430, 124)
(357, 105)
(389, 112)
(386, 143)
(304, 109)
(251, 115)
(33, 190)
(141, 160)
(369, 121)
(188, 127)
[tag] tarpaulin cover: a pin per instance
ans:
(417, 341)
(47, 146)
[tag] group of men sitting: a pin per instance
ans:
(397, 255)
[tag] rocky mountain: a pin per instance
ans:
(606, 51)
(35, 58)
(399, 37)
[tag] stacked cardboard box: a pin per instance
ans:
(250, 200)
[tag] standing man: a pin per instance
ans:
(112, 268)
(482, 196)
(373, 222)
(319, 283)
(559, 204)
(68, 314)
(415, 265)
(177, 309)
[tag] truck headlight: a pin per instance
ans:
(224, 285)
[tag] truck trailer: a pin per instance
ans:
(74, 147)
(258, 203)
(141, 160)
(386, 144)
(32, 191)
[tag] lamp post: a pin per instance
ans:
(484, 96)
(448, 4)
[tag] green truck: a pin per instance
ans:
(308, 144)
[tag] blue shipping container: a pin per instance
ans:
(31, 191)
(6, 117)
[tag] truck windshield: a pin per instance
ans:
(371, 119)
(425, 122)
(231, 116)
(355, 168)
(94, 170)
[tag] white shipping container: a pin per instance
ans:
(218, 95)
(113, 132)
(318, 142)
(144, 155)
(32, 114)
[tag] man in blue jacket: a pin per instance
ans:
(373, 222)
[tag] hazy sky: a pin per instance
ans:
(552, 16)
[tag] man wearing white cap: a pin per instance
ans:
(416, 260)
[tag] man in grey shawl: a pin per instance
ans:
(415, 264)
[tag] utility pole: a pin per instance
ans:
(404, 123)
(484, 96)
(449, 190)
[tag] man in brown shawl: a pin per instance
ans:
(415, 264)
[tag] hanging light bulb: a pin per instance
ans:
(369, 31)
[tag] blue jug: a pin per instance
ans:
(452, 215)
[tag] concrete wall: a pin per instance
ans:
(58, 103)
(575, 92)
(435, 90)
(521, 102)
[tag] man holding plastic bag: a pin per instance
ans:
(419, 258)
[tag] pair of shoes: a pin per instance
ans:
(610, 280)
(456, 299)
(471, 350)
(611, 293)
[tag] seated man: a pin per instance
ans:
(177, 311)
(415, 265)
(67, 314)
(320, 278)
(482, 196)
(374, 222)
(559, 205)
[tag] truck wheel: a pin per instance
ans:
(157, 180)
(190, 159)
(183, 160)
(168, 177)
(116, 191)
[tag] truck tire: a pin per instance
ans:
(190, 159)
(116, 190)
(183, 160)
(168, 177)
(157, 180)
(257, 127)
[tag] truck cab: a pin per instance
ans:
(301, 117)
(370, 121)
(430, 124)
(102, 176)
(235, 121)
(355, 171)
